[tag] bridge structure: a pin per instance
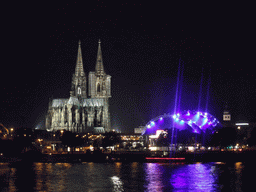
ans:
(196, 121)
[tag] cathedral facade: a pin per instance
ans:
(87, 108)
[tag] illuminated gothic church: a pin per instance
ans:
(87, 108)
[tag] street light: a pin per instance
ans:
(11, 130)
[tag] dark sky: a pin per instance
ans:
(142, 43)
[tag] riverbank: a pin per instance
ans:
(131, 156)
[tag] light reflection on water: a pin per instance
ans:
(195, 177)
(118, 184)
(126, 177)
(154, 174)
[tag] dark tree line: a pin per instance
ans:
(224, 137)
(73, 140)
(252, 140)
(110, 139)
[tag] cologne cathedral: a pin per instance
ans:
(87, 108)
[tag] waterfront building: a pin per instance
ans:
(133, 138)
(140, 129)
(87, 108)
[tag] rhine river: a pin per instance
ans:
(134, 176)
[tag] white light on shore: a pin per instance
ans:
(242, 123)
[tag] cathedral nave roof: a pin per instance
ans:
(73, 101)
(59, 102)
(93, 102)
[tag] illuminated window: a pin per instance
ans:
(79, 90)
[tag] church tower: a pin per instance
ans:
(99, 88)
(78, 87)
(99, 81)
(226, 114)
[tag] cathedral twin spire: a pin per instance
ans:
(99, 69)
(79, 84)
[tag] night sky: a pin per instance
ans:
(142, 43)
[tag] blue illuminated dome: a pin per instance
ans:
(196, 121)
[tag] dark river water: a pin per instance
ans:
(133, 176)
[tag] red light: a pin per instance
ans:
(178, 158)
